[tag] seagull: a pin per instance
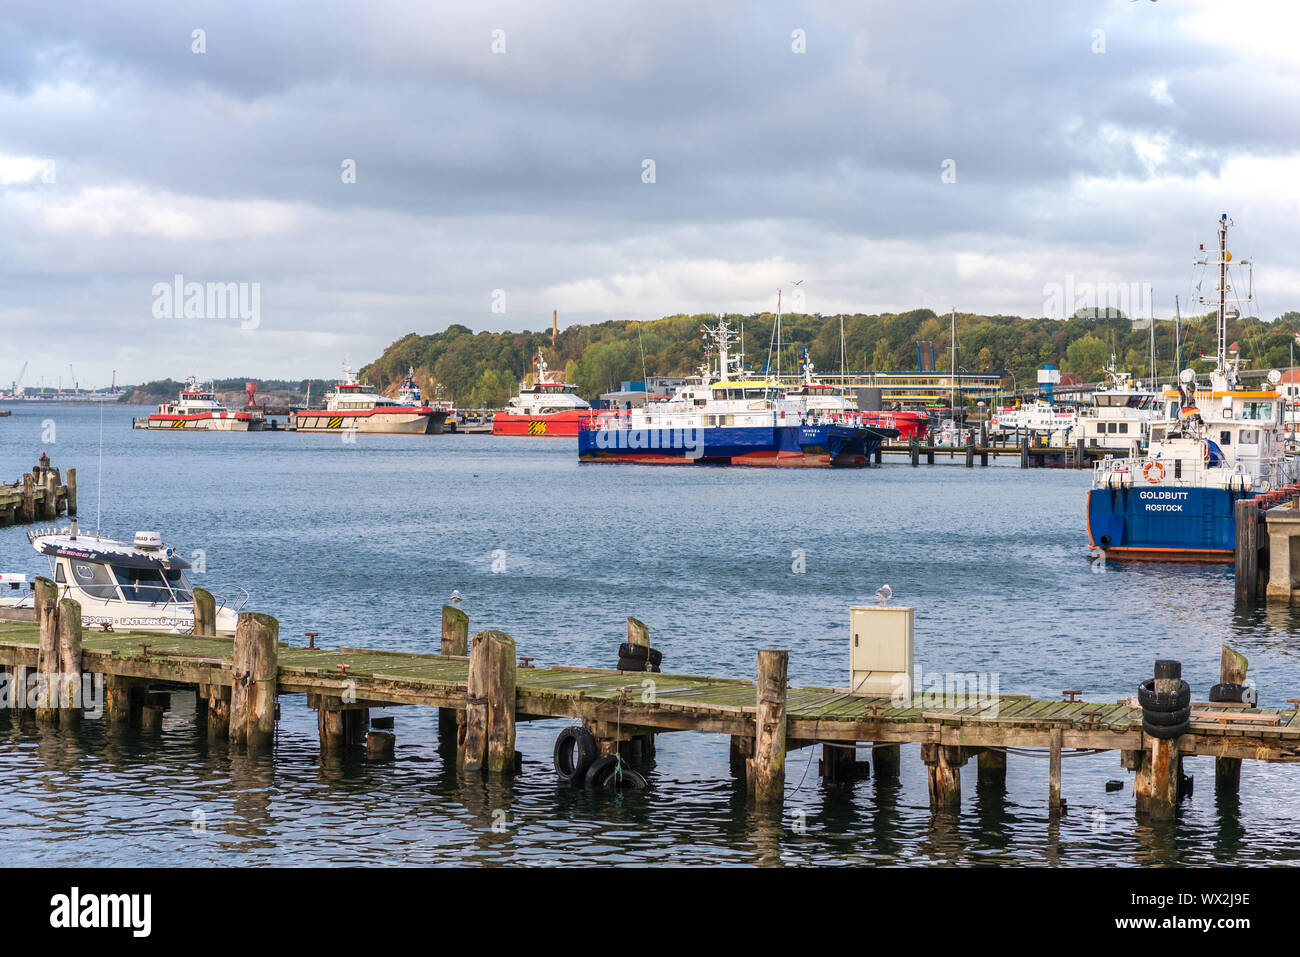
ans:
(883, 593)
(455, 597)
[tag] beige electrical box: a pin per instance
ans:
(880, 650)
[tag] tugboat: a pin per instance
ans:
(735, 420)
(122, 586)
(354, 407)
(1221, 444)
(823, 398)
(197, 409)
(547, 407)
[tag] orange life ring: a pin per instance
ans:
(1207, 453)
(1160, 470)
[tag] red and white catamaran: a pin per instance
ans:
(546, 407)
(353, 407)
(197, 409)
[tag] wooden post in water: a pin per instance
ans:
(205, 613)
(455, 641)
(1024, 452)
(218, 712)
(929, 455)
(1246, 550)
(1232, 670)
(72, 492)
(29, 498)
(970, 450)
(1156, 784)
(767, 766)
(123, 697)
(330, 725)
(1054, 771)
(943, 774)
(51, 502)
(254, 671)
(885, 761)
(70, 682)
(991, 768)
(914, 448)
(638, 633)
(471, 734)
(47, 655)
(1080, 456)
(501, 703)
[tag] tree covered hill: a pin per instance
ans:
(483, 369)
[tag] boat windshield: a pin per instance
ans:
(180, 584)
(142, 584)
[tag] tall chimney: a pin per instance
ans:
(554, 324)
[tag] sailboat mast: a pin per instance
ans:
(1223, 291)
(952, 369)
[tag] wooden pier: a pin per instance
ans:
(40, 495)
(482, 696)
(1266, 557)
(1032, 453)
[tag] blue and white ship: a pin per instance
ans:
(735, 419)
(1212, 447)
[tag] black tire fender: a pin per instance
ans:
(1152, 700)
(609, 775)
(1162, 732)
(1167, 719)
(640, 653)
(575, 751)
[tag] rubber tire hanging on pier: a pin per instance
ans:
(575, 750)
(1245, 694)
(611, 775)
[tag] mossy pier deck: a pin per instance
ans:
(483, 694)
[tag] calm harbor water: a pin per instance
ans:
(363, 542)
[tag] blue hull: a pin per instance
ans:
(1170, 523)
(800, 445)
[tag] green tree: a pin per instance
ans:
(1086, 356)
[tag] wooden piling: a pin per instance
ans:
(970, 450)
(638, 633)
(1054, 770)
(330, 725)
(991, 768)
(123, 697)
(70, 682)
(929, 455)
(72, 492)
(29, 498)
(1246, 550)
(47, 656)
(254, 672)
(767, 766)
(839, 764)
(1232, 670)
(1156, 784)
(472, 732)
(1080, 456)
(885, 761)
(914, 449)
(943, 775)
(742, 750)
(1024, 452)
(380, 744)
(218, 712)
(205, 612)
(51, 502)
(501, 703)
(455, 641)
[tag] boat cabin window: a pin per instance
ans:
(1248, 437)
(1225, 438)
(59, 576)
(180, 585)
(142, 584)
(94, 579)
(1259, 411)
(1157, 435)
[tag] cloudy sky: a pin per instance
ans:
(936, 153)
